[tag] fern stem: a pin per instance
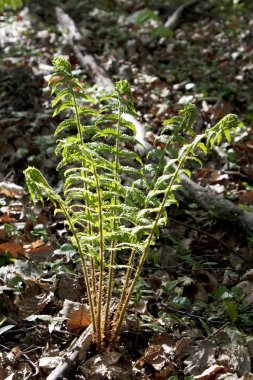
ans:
(100, 331)
(76, 112)
(92, 263)
(115, 226)
(93, 275)
(125, 286)
(117, 327)
(84, 267)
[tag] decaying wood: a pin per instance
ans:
(76, 41)
(96, 72)
(11, 190)
(73, 356)
(174, 20)
(217, 205)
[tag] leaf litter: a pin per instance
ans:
(196, 287)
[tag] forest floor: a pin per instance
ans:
(192, 316)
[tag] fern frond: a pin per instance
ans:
(65, 105)
(39, 187)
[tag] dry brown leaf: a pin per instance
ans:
(208, 176)
(77, 314)
(49, 362)
(3, 374)
(200, 357)
(37, 244)
(69, 288)
(33, 299)
(166, 372)
(15, 248)
(247, 291)
(154, 356)
(3, 233)
(104, 366)
(245, 197)
(140, 307)
(235, 357)
(39, 251)
(7, 219)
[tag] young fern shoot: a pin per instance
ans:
(114, 204)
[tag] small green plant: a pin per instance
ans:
(15, 4)
(114, 204)
(11, 230)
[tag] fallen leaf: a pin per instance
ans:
(104, 366)
(166, 372)
(49, 362)
(247, 291)
(39, 251)
(154, 356)
(69, 288)
(210, 372)
(15, 249)
(77, 315)
(7, 219)
(200, 357)
(33, 299)
(235, 357)
(245, 197)
(3, 374)
(6, 328)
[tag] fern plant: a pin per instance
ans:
(114, 204)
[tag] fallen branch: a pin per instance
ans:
(217, 205)
(96, 72)
(73, 357)
(77, 42)
(174, 20)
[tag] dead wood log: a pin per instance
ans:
(72, 358)
(174, 20)
(76, 41)
(219, 207)
(96, 72)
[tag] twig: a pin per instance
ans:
(216, 331)
(73, 357)
(34, 367)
